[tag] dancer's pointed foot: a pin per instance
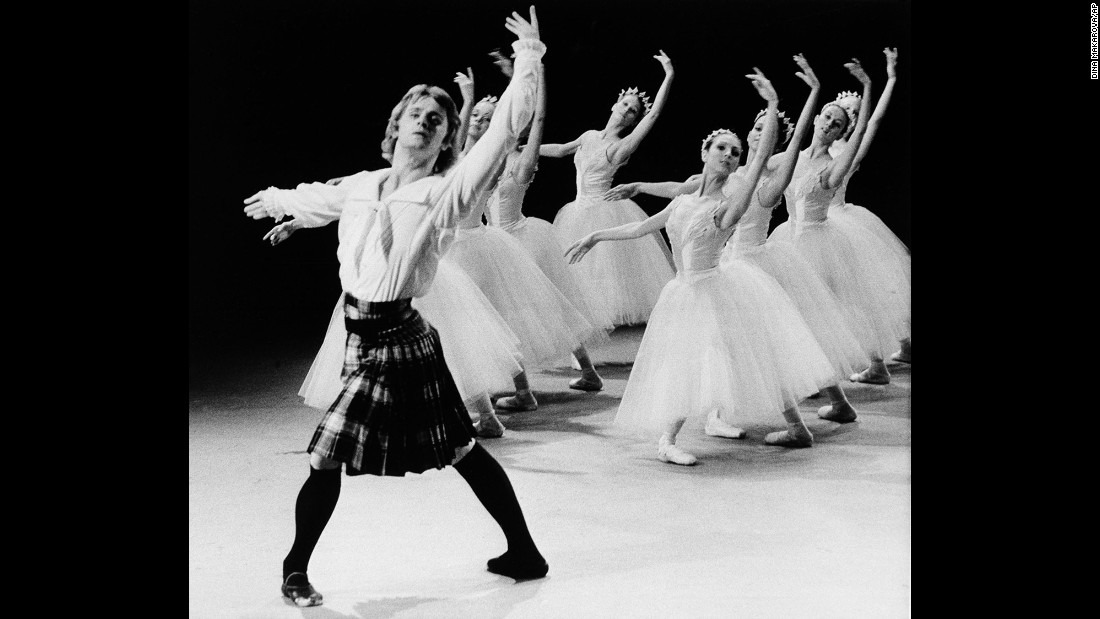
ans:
(794, 437)
(840, 413)
(721, 429)
(297, 589)
(490, 427)
(668, 452)
(871, 378)
(521, 402)
(519, 566)
(587, 382)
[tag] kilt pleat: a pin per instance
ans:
(399, 410)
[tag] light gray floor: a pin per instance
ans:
(752, 531)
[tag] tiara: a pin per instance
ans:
(848, 93)
(716, 133)
(788, 128)
(490, 99)
(644, 98)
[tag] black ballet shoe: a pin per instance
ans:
(297, 589)
(520, 568)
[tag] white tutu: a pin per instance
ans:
(833, 327)
(859, 269)
(625, 278)
(783, 233)
(539, 240)
(848, 214)
(726, 338)
(480, 350)
(548, 326)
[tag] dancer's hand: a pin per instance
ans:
(891, 60)
(256, 208)
(335, 181)
(466, 84)
(281, 232)
(763, 86)
(504, 63)
(806, 74)
(856, 70)
(577, 250)
(522, 28)
(621, 192)
(665, 61)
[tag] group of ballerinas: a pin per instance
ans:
(739, 325)
(833, 277)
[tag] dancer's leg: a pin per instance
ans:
(590, 380)
(492, 487)
(840, 410)
(488, 425)
(796, 434)
(524, 400)
(316, 502)
(716, 427)
(877, 374)
(904, 355)
(667, 451)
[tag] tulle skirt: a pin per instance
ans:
(832, 325)
(855, 215)
(548, 326)
(625, 278)
(539, 240)
(726, 338)
(863, 274)
(479, 348)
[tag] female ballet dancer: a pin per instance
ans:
(622, 280)
(547, 324)
(854, 264)
(725, 338)
(832, 327)
(399, 410)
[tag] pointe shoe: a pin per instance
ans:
(721, 429)
(297, 589)
(866, 376)
(586, 384)
(668, 452)
(490, 427)
(901, 356)
(786, 438)
(521, 568)
(514, 403)
(846, 414)
(573, 363)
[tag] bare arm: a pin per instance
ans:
(632, 230)
(559, 150)
(529, 158)
(623, 149)
(666, 189)
(784, 162)
(839, 167)
(880, 108)
(731, 210)
(466, 87)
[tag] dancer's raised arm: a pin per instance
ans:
(622, 150)
(732, 208)
(465, 83)
(528, 160)
(840, 166)
(880, 108)
(783, 163)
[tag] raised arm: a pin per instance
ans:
(733, 207)
(880, 108)
(466, 87)
(454, 196)
(783, 163)
(623, 149)
(529, 158)
(839, 166)
(632, 230)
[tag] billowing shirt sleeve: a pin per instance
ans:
(313, 204)
(454, 197)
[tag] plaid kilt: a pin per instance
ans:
(399, 411)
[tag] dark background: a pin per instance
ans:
(288, 92)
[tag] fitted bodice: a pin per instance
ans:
(696, 241)
(504, 208)
(809, 199)
(473, 220)
(594, 171)
(752, 228)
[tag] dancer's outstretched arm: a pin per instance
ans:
(880, 108)
(529, 158)
(666, 189)
(624, 148)
(466, 87)
(733, 207)
(632, 230)
(840, 166)
(783, 163)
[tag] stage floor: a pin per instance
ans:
(751, 531)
